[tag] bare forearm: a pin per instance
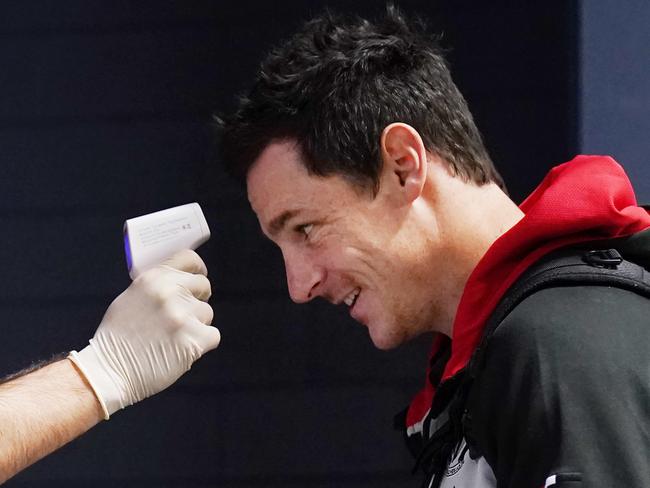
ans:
(42, 411)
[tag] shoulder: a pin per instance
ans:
(561, 352)
(565, 312)
(567, 371)
(576, 324)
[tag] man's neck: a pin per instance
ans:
(472, 218)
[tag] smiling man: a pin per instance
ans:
(363, 164)
(381, 253)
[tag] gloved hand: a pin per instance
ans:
(151, 334)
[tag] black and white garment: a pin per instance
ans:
(558, 392)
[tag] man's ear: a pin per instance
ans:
(404, 159)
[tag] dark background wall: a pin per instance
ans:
(104, 114)
(615, 85)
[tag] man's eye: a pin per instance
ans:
(305, 229)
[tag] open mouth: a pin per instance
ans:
(351, 299)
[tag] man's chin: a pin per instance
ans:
(384, 340)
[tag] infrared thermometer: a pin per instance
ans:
(150, 239)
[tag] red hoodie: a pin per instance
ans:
(586, 199)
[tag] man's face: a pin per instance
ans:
(342, 244)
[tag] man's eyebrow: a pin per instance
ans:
(278, 223)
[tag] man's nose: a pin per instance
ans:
(303, 276)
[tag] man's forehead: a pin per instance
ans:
(277, 156)
(277, 179)
(279, 183)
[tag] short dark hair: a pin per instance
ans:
(336, 84)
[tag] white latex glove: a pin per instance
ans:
(151, 334)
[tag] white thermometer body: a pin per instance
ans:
(150, 239)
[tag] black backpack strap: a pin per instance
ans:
(572, 266)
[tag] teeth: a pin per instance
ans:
(349, 300)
